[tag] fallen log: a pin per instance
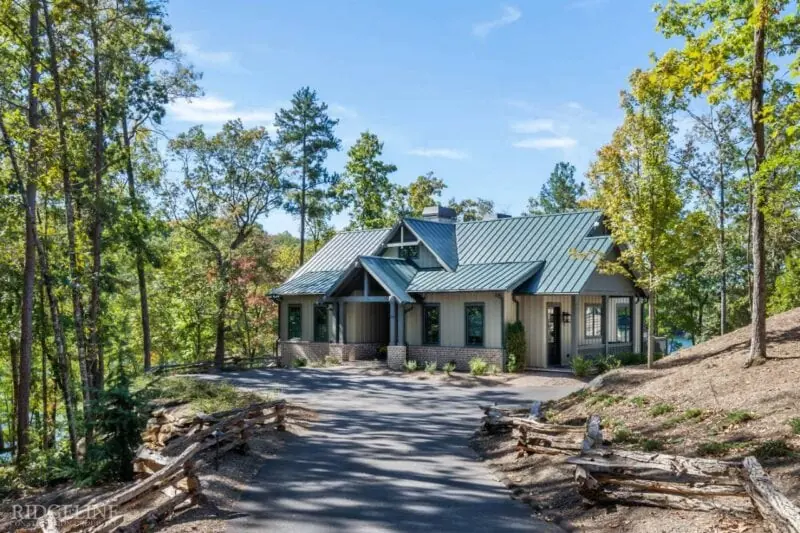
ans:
(627, 496)
(780, 514)
(147, 521)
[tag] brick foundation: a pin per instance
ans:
(460, 355)
(396, 357)
(363, 351)
(288, 351)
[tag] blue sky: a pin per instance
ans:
(487, 95)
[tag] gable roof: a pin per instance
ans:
(541, 254)
(439, 237)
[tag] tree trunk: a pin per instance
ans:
(222, 304)
(77, 305)
(46, 440)
(140, 274)
(29, 272)
(95, 359)
(651, 328)
(13, 352)
(303, 208)
(758, 341)
(723, 292)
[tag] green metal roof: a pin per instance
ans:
(439, 237)
(308, 283)
(488, 277)
(542, 254)
(394, 275)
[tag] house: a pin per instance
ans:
(433, 289)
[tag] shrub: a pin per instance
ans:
(624, 435)
(580, 366)
(449, 368)
(773, 449)
(604, 363)
(410, 365)
(516, 345)
(478, 366)
(299, 363)
(332, 361)
(640, 401)
(734, 418)
(794, 423)
(661, 409)
(430, 367)
(494, 369)
(10, 482)
(713, 448)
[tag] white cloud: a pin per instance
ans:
(533, 126)
(510, 15)
(187, 45)
(546, 143)
(214, 110)
(575, 106)
(339, 111)
(442, 153)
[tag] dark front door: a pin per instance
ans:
(553, 335)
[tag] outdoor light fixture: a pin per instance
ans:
(565, 318)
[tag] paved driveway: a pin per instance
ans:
(388, 454)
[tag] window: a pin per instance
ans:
(408, 252)
(295, 320)
(321, 324)
(473, 314)
(592, 318)
(623, 323)
(430, 324)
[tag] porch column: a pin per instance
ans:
(333, 313)
(631, 303)
(636, 326)
(604, 324)
(342, 322)
(575, 326)
(392, 321)
(401, 325)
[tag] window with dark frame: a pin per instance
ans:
(623, 323)
(592, 321)
(431, 324)
(295, 319)
(474, 324)
(408, 252)
(321, 323)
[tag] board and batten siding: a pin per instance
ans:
(452, 318)
(364, 322)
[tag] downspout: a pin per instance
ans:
(516, 304)
(407, 308)
(277, 300)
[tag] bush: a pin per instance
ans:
(332, 361)
(623, 435)
(10, 483)
(430, 367)
(580, 366)
(713, 448)
(478, 366)
(299, 363)
(794, 423)
(651, 445)
(516, 346)
(604, 363)
(734, 418)
(449, 368)
(410, 366)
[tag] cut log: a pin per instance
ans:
(547, 450)
(735, 505)
(668, 487)
(149, 519)
(645, 465)
(780, 514)
(109, 525)
(543, 427)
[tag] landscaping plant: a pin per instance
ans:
(449, 368)
(516, 346)
(580, 366)
(410, 365)
(478, 366)
(431, 367)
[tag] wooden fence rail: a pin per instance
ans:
(228, 363)
(167, 469)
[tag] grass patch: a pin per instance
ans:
(660, 409)
(200, 395)
(651, 445)
(623, 435)
(604, 399)
(735, 418)
(794, 423)
(773, 449)
(714, 448)
(690, 414)
(640, 401)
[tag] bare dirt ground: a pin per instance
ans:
(699, 402)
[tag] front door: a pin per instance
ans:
(553, 335)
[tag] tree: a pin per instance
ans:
(736, 49)
(423, 192)
(637, 188)
(365, 188)
(469, 210)
(560, 193)
(304, 137)
(230, 181)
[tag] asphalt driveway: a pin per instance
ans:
(388, 454)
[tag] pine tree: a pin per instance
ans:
(560, 193)
(305, 135)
